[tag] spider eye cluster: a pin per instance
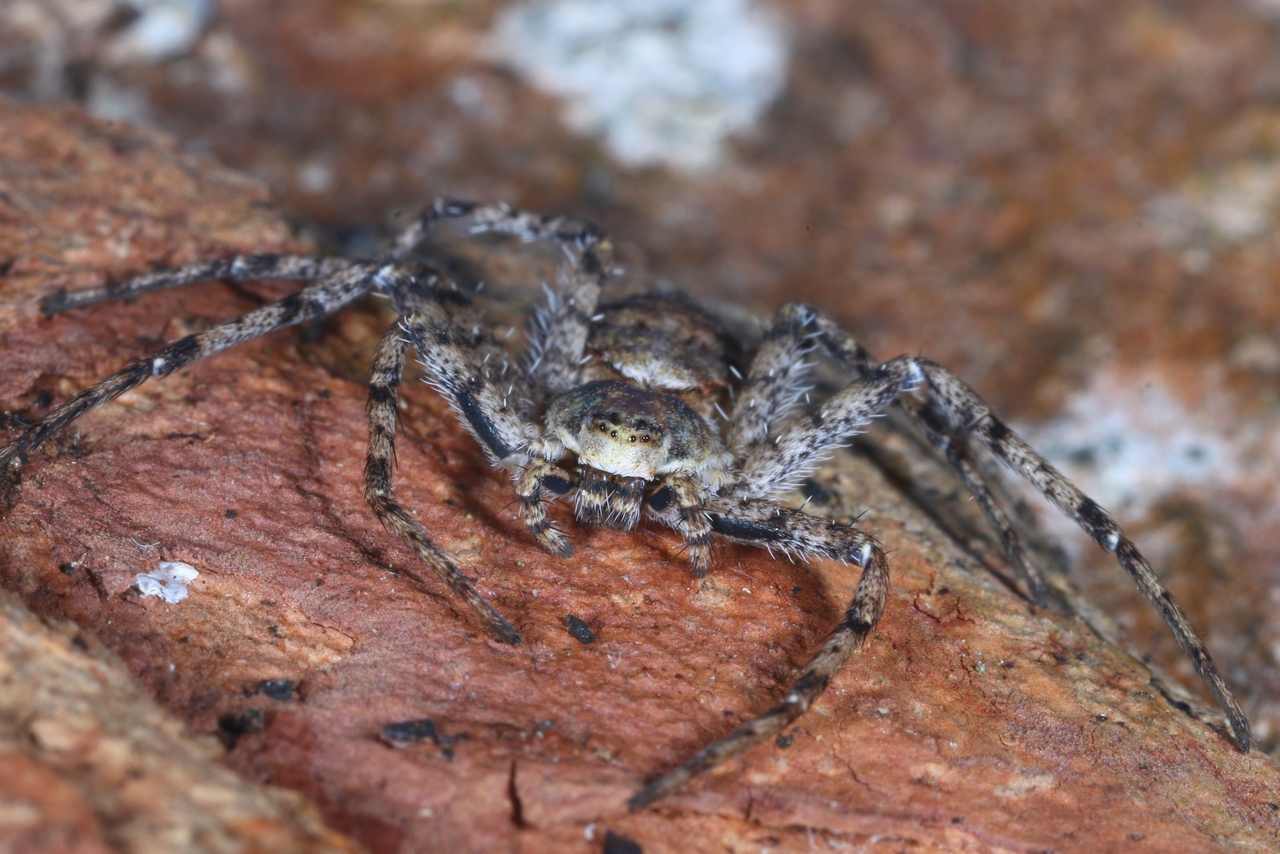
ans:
(610, 425)
(626, 430)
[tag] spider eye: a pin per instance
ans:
(613, 433)
(644, 439)
(633, 438)
(602, 427)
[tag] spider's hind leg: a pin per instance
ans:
(932, 425)
(774, 467)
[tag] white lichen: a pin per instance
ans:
(160, 30)
(169, 582)
(1130, 447)
(663, 81)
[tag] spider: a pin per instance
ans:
(618, 406)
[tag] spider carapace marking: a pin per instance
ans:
(632, 407)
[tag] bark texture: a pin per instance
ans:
(969, 722)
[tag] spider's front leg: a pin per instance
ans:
(775, 467)
(765, 524)
(490, 393)
(384, 382)
(343, 282)
(776, 382)
(680, 502)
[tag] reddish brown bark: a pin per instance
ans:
(967, 722)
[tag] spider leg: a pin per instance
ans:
(344, 285)
(582, 239)
(968, 413)
(474, 373)
(763, 523)
(562, 326)
(779, 466)
(457, 352)
(385, 374)
(537, 477)
(776, 380)
(680, 502)
(845, 349)
(298, 268)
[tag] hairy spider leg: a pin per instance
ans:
(584, 238)
(968, 410)
(934, 427)
(561, 327)
(324, 297)
(491, 396)
(778, 466)
(385, 374)
(762, 523)
(293, 268)
(778, 374)
(812, 437)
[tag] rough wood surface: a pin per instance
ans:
(89, 763)
(968, 722)
(1073, 204)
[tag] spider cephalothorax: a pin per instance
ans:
(626, 436)
(631, 390)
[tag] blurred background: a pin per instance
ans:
(1071, 204)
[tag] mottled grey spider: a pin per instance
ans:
(630, 392)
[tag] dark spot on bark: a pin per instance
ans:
(615, 844)
(233, 725)
(277, 689)
(579, 629)
(409, 732)
(784, 740)
(231, 514)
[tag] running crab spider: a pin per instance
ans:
(618, 407)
